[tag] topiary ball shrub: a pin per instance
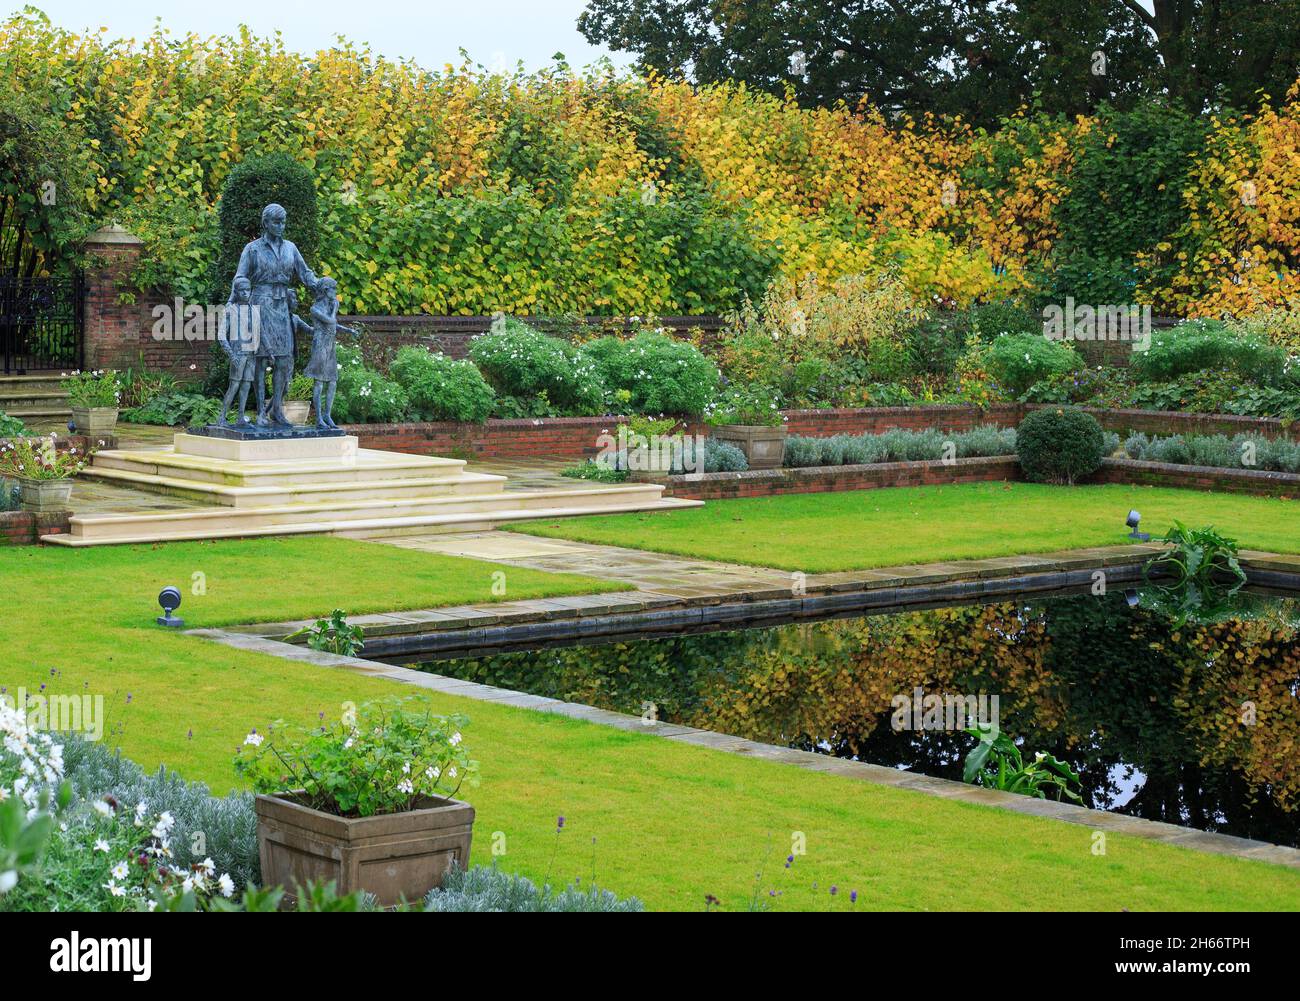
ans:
(252, 185)
(1059, 445)
(441, 389)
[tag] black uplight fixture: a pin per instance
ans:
(1132, 521)
(1132, 597)
(170, 600)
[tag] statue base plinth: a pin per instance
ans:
(270, 445)
(271, 432)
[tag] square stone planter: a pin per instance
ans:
(764, 447)
(393, 856)
(94, 420)
(44, 496)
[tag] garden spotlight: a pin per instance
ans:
(1132, 522)
(170, 600)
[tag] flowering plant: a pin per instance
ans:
(32, 789)
(38, 459)
(380, 757)
(138, 860)
(751, 406)
(92, 389)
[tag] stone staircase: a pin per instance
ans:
(34, 397)
(323, 485)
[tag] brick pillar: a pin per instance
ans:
(112, 328)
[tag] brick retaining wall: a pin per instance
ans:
(817, 479)
(25, 528)
(575, 437)
(820, 479)
(1261, 482)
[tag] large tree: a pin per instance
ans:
(980, 59)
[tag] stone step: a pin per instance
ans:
(562, 503)
(11, 399)
(229, 520)
(41, 382)
(205, 492)
(38, 413)
(369, 465)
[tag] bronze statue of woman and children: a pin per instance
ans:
(258, 324)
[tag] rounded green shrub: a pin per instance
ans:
(1059, 445)
(439, 388)
(252, 185)
(1017, 361)
(365, 396)
(661, 374)
(524, 363)
(1198, 345)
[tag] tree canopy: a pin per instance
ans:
(978, 59)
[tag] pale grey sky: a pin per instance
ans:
(496, 33)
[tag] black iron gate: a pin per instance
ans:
(41, 323)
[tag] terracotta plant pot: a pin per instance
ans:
(94, 420)
(764, 447)
(393, 856)
(44, 495)
(297, 411)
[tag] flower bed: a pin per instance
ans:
(575, 437)
(819, 479)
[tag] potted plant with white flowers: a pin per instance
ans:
(749, 418)
(367, 801)
(42, 472)
(94, 398)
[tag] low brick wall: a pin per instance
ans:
(25, 528)
(575, 437)
(1264, 483)
(82, 443)
(820, 479)
(552, 437)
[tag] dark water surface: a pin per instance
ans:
(1196, 725)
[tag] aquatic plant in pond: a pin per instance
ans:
(1206, 575)
(996, 762)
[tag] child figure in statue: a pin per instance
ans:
(238, 338)
(323, 365)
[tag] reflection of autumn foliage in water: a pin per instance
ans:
(836, 680)
(1091, 680)
(1234, 672)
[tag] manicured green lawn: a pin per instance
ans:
(671, 822)
(857, 530)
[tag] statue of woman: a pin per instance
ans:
(272, 264)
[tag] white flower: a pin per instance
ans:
(101, 845)
(432, 772)
(451, 772)
(406, 768)
(254, 738)
(102, 808)
(455, 738)
(114, 889)
(226, 885)
(119, 871)
(208, 866)
(8, 880)
(405, 786)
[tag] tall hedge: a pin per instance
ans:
(252, 185)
